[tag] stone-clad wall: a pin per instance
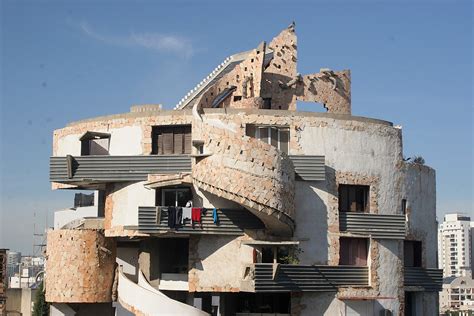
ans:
(246, 171)
(80, 266)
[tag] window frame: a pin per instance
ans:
(268, 139)
(186, 139)
(347, 188)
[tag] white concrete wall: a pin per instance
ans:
(363, 148)
(126, 200)
(64, 217)
(127, 258)
(420, 191)
(123, 141)
(312, 221)
(222, 262)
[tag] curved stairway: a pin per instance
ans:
(143, 299)
(246, 171)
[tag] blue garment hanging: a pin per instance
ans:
(215, 217)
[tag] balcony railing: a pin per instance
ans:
(303, 278)
(430, 280)
(231, 222)
(375, 225)
(101, 169)
(309, 168)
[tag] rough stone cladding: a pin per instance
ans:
(279, 81)
(3, 279)
(90, 261)
(281, 70)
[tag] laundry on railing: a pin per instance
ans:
(215, 216)
(181, 216)
(196, 214)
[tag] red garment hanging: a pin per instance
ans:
(196, 214)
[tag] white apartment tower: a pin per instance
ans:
(455, 245)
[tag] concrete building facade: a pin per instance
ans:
(235, 203)
(456, 246)
(458, 295)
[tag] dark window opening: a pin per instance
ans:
(353, 251)
(94, 144)
(412, 253)
(174, 255)
(237, 98)
(354, 198)
(82, 200)
(271, 303)
(171, 140)
(267, 103)
(404, 206)
(410, 304)
(178, 196)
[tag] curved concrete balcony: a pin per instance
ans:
(143, 299)
(246, 171)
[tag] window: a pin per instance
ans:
(94, 143)
(171, 140)
(412, 252)
(267, 103)
(354, 198)
(353, 251)
(173, 196)
(404, 206)
(273, 135)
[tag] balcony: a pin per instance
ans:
(309, 168)
(302, 278)
(374, 225)
(429, 280)
(103, 169)
(174, 282)
(231, 222)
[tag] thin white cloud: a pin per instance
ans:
(163, 43)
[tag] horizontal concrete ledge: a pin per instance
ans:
(188, 112)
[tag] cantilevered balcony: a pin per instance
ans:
(102, 169)
(230, 222)
(428, 280)
(374, 225)
(305, 278)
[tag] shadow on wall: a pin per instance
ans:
(312, 218)
(202, 250)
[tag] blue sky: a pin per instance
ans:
(61, 61)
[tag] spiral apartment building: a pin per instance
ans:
(234, 203)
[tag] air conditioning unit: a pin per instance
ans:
(386, 312)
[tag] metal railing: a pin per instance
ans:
(431, 280)
(71, 169)
(304, 278)
(309, 168)
(375, 225)
(230, 222)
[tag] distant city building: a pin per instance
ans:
(457, 295)
(13, 257)
(455, 245)
(21, 271)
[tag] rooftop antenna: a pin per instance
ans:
(39, 239)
